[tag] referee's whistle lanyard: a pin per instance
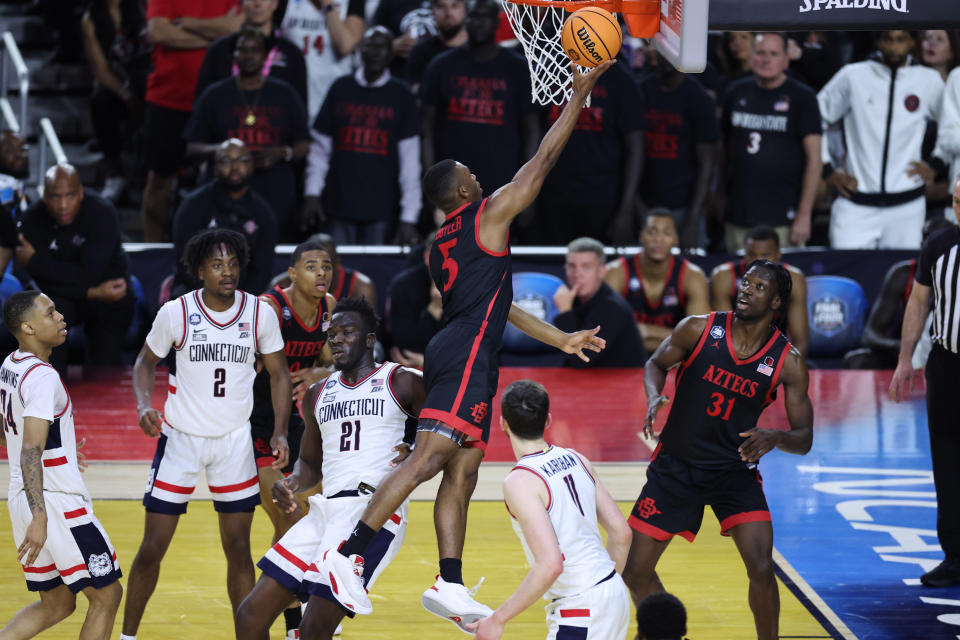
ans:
(271, 58)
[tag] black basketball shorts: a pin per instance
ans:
(261, 434)
(672, 501)
(460, 371)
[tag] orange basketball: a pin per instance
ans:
(591, 36)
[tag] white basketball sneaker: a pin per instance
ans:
(345, 576)
(454, 602)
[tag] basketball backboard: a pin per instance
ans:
(682, 38)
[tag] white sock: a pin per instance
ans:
(126, 637)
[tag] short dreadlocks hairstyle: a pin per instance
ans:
(203, 245)
(784, 287)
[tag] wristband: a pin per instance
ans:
(288, 153)
(330, 7)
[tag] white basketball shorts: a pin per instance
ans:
(602, 612)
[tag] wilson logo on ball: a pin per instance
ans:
(584, 36)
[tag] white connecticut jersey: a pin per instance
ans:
(305, 26)
(211, 393)
(573, 513)
(360, 425)
(29, 387)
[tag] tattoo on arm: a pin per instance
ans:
(32, 470)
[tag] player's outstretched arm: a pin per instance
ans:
(281, 391)
(308, 469)
(526, 497)
(510, 200)
(799, 439)
(34, 440)
(144, 378)
(670, 353)
(546, 333)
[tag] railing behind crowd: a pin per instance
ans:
(11, 57)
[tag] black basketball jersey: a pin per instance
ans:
(669, 310)
(476, 283)
(301, 345)
(718, 396)
(344, 283)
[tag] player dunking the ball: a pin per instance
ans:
(355, 426)
(61, 544)
(470, 264)
(730, 367)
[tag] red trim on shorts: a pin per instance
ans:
(574, 613)
(228, 488)
(701, 341)
(476, 235)
(775, 379)
(289, 557)
(756, 356)
(46, 569)
(54, 462)
(545, 483)
(172, 488)
(458, 210)
(468, 369)
(453, 421)
(76, 513)
(265, 461)
(656, 451)
(183, 309)
(73, 569)
(742, 518)
(656, 533)
(395, 519)
(475, 444)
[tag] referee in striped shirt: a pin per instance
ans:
(938, 270)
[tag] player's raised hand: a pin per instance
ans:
(281, 451)
(758, 443)
(33, 540)
(284, 496)
(403, 452)
(150, 421)
(583, 82)
(586, 339)
(656, 403)
(486, 629)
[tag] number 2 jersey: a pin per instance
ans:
(719, 396)
(573, 514)
(211, 393)
(360, 424)
(29, 387)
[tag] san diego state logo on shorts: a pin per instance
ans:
(99, 564)
(716, 332)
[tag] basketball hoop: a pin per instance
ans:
(537, 25)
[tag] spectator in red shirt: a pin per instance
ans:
(180, 30)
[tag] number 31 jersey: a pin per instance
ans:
(211, 393)
(360, 424)
(573, 514)
(718, 396)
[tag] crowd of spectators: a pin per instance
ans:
(286, 118)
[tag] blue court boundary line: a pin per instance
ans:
(819, 610)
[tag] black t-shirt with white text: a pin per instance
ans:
(764, 131)
(480, 106)
(365, 125)
(675, 123)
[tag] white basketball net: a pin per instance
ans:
(538, 30)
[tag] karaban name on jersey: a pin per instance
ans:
(211, 393)
(718, 396)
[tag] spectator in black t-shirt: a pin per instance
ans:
(408, 21)
(119, 56)
(584, 198)
(413, 311)
(476, 107)
(772, 166)
(448, 17)
(267, 115)
(681, 136)
(70, 245)
(365, 155)
(228, 203)
(587, 301)
(284, 59)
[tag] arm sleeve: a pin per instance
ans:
(269, 339)
(167, 329)
(834, 98)
(39, 391)
(318, 163)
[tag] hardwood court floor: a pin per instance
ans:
(191, 603)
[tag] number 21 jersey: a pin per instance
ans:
(719, 396)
